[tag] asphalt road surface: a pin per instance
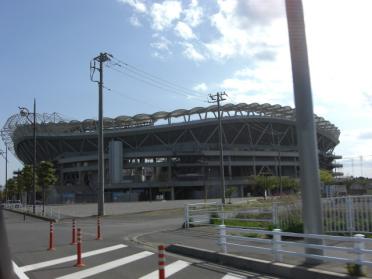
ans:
(116, 256)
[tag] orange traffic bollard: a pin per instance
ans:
(161, 262)
(79, 262)
(99, 236)
(73, 241)
(51, 237)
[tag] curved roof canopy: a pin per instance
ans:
(58, 125)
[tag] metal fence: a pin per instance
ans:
(215, 213)
(201, 213)
(349, 214)
(49, 211)
(339, 249)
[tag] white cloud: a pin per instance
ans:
(263, 82)
(193, 14)
(184, 31)
(161, 46)
(201, 87)
(134, 21)
(340, 59)
(242, 30)
(191, 53)
(161, 43)
(165, 13)
(138, 5)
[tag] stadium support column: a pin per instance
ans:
(217, 98)
(100, 59)
(306, 133)
(116, 161)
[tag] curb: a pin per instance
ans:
(255, 265)
(144, 243)
(32, 215)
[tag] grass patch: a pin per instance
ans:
(241, 223)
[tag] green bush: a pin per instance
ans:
(355, 270)
(214, 218)
(294, 226)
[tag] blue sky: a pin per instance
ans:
(240, 47)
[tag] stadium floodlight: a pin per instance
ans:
(24, 112)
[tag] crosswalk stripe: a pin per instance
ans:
(233, 276)
(17, 270)
(169, 270)
(71, 258)
(106, 266)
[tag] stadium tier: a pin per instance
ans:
(173, 154)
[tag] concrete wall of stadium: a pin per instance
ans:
(178, 161)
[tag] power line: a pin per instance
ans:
(124, 95)
(150, 79)
(170, 90)
(154, 77)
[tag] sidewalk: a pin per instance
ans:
(121, 208)
(206, 238)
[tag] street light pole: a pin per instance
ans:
(34, 164)
(306, 132)
(25, 112)
(5, 156)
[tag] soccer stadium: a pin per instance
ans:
(173, 154)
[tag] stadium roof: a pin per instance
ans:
(54, 123)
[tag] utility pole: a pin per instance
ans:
(306, 132)
(6, 162)
(100, 59)
(280, 168)
(217, 98)
(34, 164)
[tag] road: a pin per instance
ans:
(116, 256)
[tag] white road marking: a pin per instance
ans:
(170, 269)
(233, 276)
(19, 272)
(106, 266)
(70, 258)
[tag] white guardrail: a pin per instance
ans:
(350, 214)
(277, 247)
(49, 212)
(201, 213)
(206, 213)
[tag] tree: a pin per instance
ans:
(25, 180)
(326, 176)
(46, 177)
(229, 192)
(270, 183)
(290, 183)
(267, 183)
(11, 187)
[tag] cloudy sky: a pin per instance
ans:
(240, 47)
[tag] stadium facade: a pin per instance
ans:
(170, 153)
